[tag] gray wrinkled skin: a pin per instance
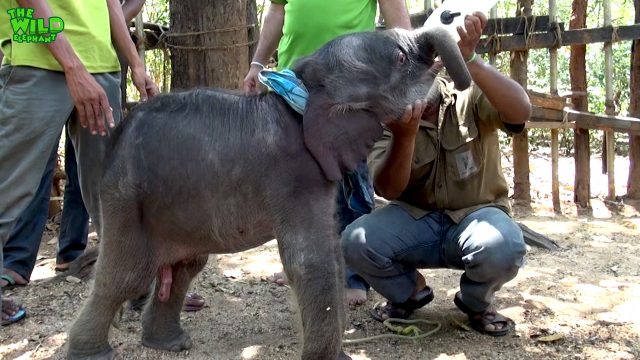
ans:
(209, 171)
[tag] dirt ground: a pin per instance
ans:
(582, 302)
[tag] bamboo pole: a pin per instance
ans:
(609, 105)
(553, 89)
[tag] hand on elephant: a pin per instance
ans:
(470, 35)
(251, 85)
(406, 127)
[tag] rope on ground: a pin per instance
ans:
(411, 332)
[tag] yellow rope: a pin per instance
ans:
(410, 332)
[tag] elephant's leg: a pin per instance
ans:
(312, 260)
(161, 318)
(123, 271)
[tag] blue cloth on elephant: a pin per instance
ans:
(355, 191)
(286, 84)
(356, 187)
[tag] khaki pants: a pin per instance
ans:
(35, 104)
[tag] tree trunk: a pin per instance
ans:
(253, 33)
(633, 182)
(518, 70)
(208, 43)
(577, 69)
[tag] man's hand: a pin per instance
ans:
(407, 126)
(470, 35)
(90, 100)
(251, 85)
(143, 83)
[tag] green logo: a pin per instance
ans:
(30, 30)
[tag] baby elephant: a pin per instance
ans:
(209, 171)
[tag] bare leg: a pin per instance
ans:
(161, 318)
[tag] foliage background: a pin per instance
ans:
(622, 12)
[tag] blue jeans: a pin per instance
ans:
(21, 250)
(387, 247)
(355, 198)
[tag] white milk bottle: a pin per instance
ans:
(451, 14)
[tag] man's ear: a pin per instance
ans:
(338, 140)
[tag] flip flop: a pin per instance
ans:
(11, 282)
(193, 302)
(18, 316)
(480, 319)
(402, 310)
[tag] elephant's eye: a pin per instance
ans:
(400, 56)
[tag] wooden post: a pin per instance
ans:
(553, 89)
(253, 31)
(577, 70)
(492, 15)
(610, 143)
(633, 182)
(139, 23)
(518, 70)
(208, 42)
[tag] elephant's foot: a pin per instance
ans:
(176, 341)
(343, 356)
(107, 354)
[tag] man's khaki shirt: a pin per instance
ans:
(456, 164)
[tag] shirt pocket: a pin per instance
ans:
(462, 149)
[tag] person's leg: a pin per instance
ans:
(34, 105)
(355, 198)
(489, 246)
(21, 250)
(74, 224)
(387, 247)
(91, 149)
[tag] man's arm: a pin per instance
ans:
(393, 174)
(123, 43)
(131, 8)
(395, 14)
(505, 94)
(89, 98)
(267, 45)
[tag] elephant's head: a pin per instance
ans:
(357, 81)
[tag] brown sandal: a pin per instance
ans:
(388, 309)
(480, 319)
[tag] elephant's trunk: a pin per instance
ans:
(447, 48)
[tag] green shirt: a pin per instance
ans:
(309, 24)
(86, 26)
(456, 164)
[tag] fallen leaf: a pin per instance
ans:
(461, 324)
(550, 338)
(73, 279)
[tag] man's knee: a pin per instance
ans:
(358, 253)
(499, 251)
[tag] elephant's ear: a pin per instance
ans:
(338, 140)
